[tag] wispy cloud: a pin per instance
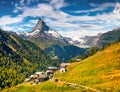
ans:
(97, 7)
(10, 20)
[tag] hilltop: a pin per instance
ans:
(100, 71)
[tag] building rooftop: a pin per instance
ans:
(39, 73)
(31, 76)
(52, 68)
(64, 64)
(43, 76)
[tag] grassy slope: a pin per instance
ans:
(48, 86)
(101, 71)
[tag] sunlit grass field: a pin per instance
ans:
(100, 71)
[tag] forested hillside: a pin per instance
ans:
(18, 59)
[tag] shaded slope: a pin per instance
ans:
(63, 52)
(109, 37)
(18, 59)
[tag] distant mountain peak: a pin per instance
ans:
(43, 31)
(41, 26)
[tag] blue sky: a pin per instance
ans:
(71, 18)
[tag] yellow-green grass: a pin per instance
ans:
(100, 71)
(48, 86)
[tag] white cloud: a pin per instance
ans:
(15, 11)
(57, 4)
(10, 20)
(98, 8)
(6, 28)
(40, 10)
(33, 21)
(78, 33)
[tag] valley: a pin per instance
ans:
(96, 73)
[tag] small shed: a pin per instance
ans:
(62, 70)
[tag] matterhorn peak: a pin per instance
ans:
(41, 26)
(42, 30)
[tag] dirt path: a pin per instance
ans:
(73, 84)
(79, 86)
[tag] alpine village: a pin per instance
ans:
(60, 46)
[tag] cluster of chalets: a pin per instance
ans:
(42, 76)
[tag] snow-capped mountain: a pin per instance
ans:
(102, 39)
(41, 30)
(84, 42)
(53, 44)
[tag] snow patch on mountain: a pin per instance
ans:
(33, 33)
(53, 33)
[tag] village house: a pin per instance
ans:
(50, 71)
(63, 67)
(37, 74)
(42, 77)
(32, 77)
(38, 77)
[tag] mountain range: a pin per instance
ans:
(102, 39)
(52, 42)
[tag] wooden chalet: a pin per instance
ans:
(64, 65)
(51, 70)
